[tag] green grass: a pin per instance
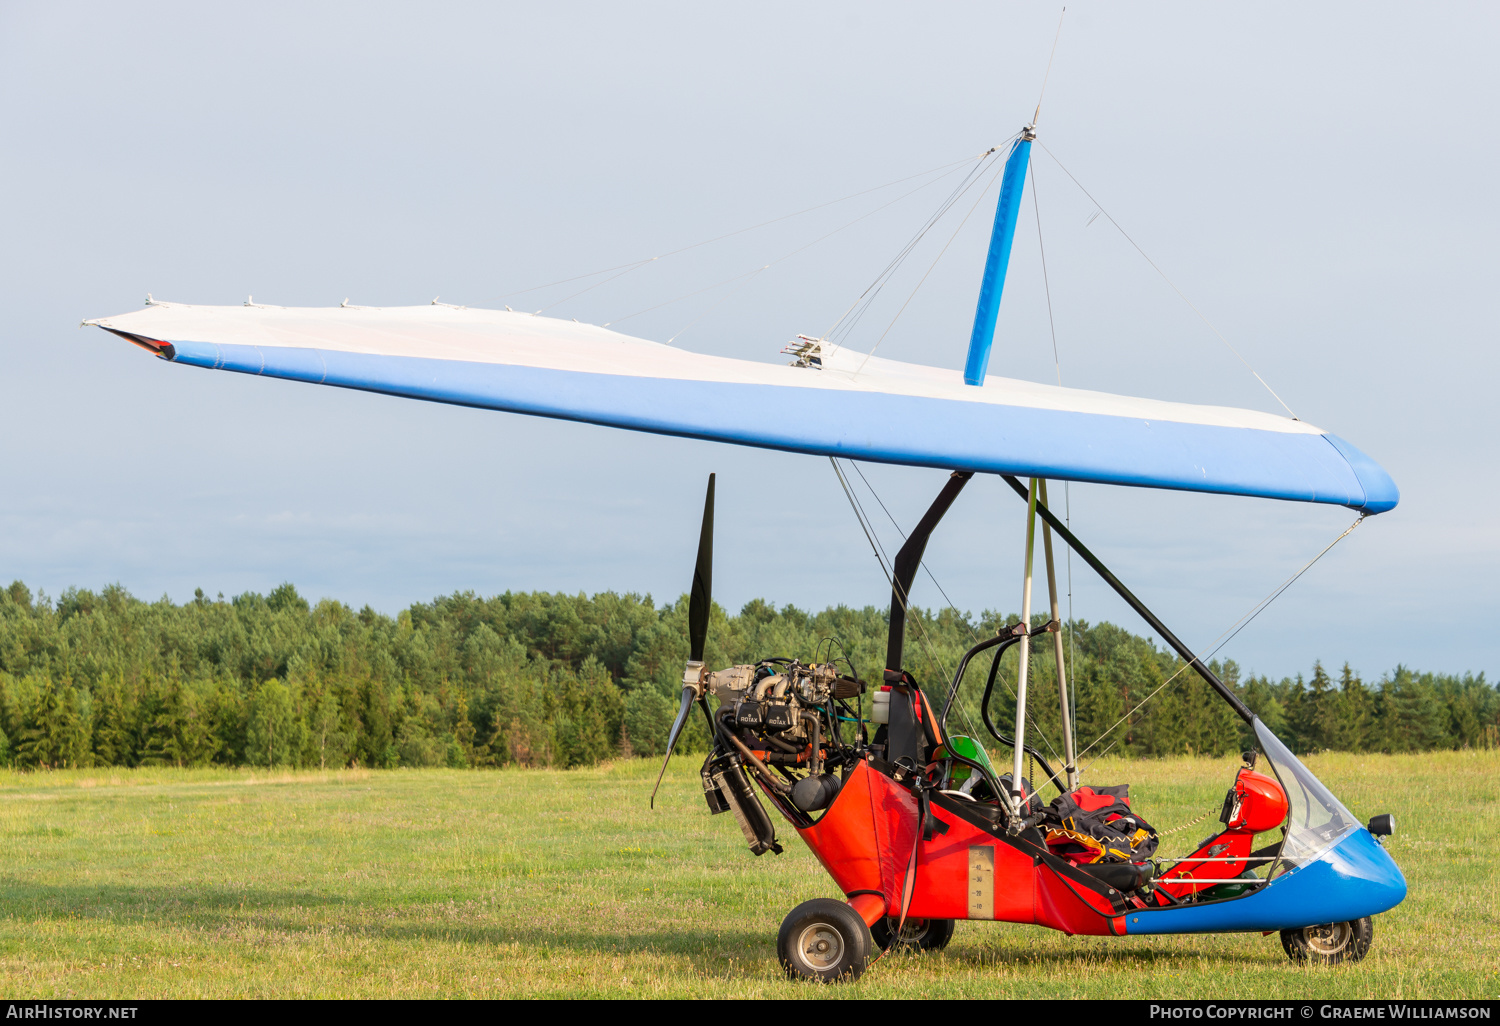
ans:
(205, 883)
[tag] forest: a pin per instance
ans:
(540, 679)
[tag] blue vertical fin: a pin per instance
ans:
(1012, 184)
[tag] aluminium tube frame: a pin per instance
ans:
(1198, 665)
(1001, 638)
(1003, 641)
(989, 724)
(1070, 752)
(1022, 670)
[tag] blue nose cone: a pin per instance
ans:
(1354, 878)
(1361, 879)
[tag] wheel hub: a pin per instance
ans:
(1328, 939)
(912, 932)
(821, 946)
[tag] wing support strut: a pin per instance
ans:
(905, 731)
(1198, 665)
(909, 559)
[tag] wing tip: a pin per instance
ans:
(154, 346)
(1381, 493)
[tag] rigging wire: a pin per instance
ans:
(1182, 295)
(716, 304)
(879, 555)
(1036, 206)
(638, 264)
(973, 635)
(841, 327)
(882, 559)
(873, 289)
(689, 295)
(787, 256)
(887, 565)
(1038, 115)
(592, 274)
(625, 268)
(1227, 636)
(867, 298)
(930, 269)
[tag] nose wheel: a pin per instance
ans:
(1329, 943)
(823, 940)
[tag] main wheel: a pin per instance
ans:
(823, 940)
(1330, 943)
(918, 934)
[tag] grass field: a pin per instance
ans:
(204, 883)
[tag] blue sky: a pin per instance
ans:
(1315, 180)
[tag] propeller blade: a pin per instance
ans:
(700, 600)
(688, 695)
(701, 597)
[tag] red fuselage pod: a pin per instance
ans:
(965, 871)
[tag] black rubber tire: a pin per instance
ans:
(823, 940)
(916, 935)
(1330, 943)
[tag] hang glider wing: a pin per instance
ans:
(854, 407)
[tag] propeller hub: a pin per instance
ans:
(694, 676)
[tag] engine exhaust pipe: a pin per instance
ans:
(728, 790)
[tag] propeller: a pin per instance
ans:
(700, 599)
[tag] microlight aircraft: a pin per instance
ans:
(914, 823)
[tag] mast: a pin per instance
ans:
(1012, 184)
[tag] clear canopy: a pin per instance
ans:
(1318, 820)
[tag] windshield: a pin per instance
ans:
(1317, 818)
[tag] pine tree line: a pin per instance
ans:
(539, 679)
